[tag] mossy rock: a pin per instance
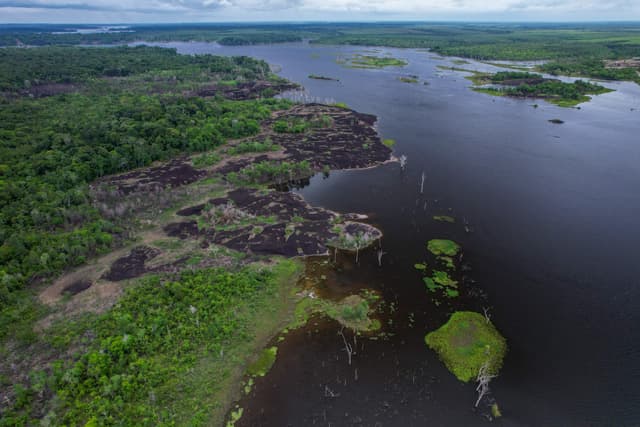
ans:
(443, 247)
(467, 342)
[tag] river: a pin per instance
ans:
(554, 216)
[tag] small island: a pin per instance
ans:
(519, 84)
(318, 77)
(467, 344)
(409, 79)
(369, 61)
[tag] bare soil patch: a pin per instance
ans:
(175, 173)
(245, 90)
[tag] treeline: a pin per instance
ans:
(51, 148)
(593, 68)
(551, 88)
(575, 49)
(22, 68)
(502, 76)
(227, 35)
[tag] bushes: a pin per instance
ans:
(290, 126)
(149, 343)
(272, 172)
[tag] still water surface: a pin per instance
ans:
(554, 211)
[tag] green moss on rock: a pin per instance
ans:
(467, 342)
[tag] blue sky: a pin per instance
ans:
(139, 11)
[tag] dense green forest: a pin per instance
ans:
(47, 35)
(23, 68)
(144, 366)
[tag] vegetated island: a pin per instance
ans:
(370, 61)
(440, 280)
(519, 84)
(409, 79)
(467, 343)
(317, 77)
(171, 180)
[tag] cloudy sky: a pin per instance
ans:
(122, 11)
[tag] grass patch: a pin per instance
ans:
(389, 142)
(441, 281)
(353, 312)
(234, 417)
(205, 160)
(260, 367)
(341, 105)
(442, 278)
(467, 342)
(443, 247)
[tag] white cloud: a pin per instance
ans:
(335, 10)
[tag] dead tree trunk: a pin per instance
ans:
(403, 162)
(483, 382)
(487, 316)
(348, 347)
(380, 254)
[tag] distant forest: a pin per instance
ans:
(569, 49)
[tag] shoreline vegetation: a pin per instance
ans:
(161, 181)
(519, 84)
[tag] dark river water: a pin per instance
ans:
(554, 250)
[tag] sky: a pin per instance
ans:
(168, 11)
